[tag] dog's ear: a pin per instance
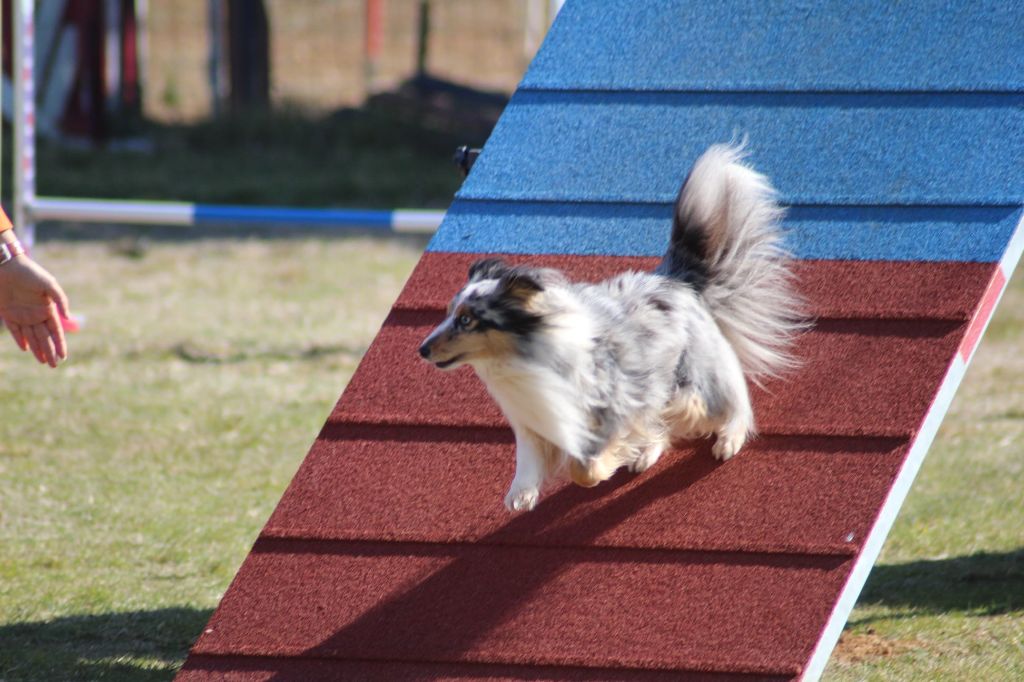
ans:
(488, 268)
(520, 283)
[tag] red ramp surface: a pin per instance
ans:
(391, 557)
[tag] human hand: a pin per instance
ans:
(30, 300)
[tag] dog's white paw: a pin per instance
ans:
(647, 458)
(521, 498)
(727, 445)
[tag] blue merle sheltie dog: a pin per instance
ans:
(593, 377)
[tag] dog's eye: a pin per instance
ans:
(465, 321)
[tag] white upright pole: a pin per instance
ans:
(24, 120)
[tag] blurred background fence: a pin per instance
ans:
(325, 103)
(187, 60)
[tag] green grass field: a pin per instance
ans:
(134, 479)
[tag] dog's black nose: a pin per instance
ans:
(425, 351)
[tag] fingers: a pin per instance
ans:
(54, 291)
(17, 334)
(33, 343)
(45, 340)
(37, 339)
(56, 332)
(55, 329)
(43, 345)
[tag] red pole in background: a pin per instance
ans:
(86, 111)
(130, 98)
(373, 42)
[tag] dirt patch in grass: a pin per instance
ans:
(858, 647)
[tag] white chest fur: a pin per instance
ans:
(538, 399)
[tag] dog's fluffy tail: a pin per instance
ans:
(727, 242)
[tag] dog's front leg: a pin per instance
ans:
(530, 468)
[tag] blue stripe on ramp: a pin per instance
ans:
(815, 232)
(817, 149)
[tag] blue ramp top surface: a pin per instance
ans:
(783, 45)
(893, 131)
(975, 234)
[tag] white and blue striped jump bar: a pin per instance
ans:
(186, 214)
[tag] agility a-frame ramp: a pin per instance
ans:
(895, 133)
